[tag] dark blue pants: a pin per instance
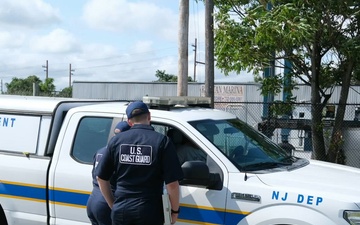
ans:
(138, 211)
(97, 209)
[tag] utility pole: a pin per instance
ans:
(209, 50)
(46, 66)
(70, 74)
(195, 60)
(1, 87)
(183, 37)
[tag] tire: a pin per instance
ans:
(2, 217)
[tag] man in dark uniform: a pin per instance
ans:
(97, 208)
(142, 160)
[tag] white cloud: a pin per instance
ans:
(143, 46)
(9, 40)
(27, 13)
(123, 16)
(57, 41)
(93, 52)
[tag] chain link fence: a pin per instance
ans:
(294, 128)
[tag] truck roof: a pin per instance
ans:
(48, 105)
(35, 104)
(175, 113)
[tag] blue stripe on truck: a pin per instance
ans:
(209, 215)
(76, 198)
(20, 190)
(70, 197)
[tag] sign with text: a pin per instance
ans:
(226, 93)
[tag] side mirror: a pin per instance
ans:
(196, 173)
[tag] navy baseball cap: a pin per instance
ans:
(142, 109)
(122, 126)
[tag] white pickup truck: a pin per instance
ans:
(47, 146)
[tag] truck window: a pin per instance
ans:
(162, 129)
(91, 135)
(185, 148)
(243, 145)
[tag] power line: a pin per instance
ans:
(87, 67)
(129, 54)
(197, 35)
(122, 63)
(92, 59)
(134, 69)
(22, 68)
(196, 19)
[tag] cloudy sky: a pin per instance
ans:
(103, 40)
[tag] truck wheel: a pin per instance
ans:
(2, 217)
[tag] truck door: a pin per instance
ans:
(71, 180)
(198, 205)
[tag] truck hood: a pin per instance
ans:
(326, 178)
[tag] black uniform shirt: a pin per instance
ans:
(97, 157)
(142, 159)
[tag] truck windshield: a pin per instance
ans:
(247, 148)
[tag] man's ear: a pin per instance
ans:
(130, 122)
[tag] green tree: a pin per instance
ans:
(22, 86)
(164, 77)
(47, 87)
(19, 86)
(320, 38)
(66, 92)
